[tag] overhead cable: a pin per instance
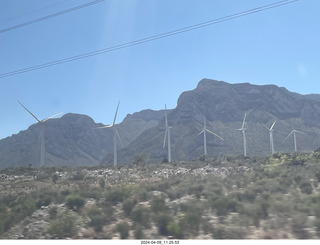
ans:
(50, 16)
(149, 39)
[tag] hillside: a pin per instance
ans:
(224, 106)
(72, 140)
(225, 198)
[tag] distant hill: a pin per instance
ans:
(72, 140)
(224, 106)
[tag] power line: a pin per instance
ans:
(32, 11)
(51, 16)
(149, 39)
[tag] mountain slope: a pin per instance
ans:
(71, 140)
(224, 106)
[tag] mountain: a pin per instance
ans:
(224, 106)
(72, 140)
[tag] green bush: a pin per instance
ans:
(64, 226)
(158, 204)
(75, 202)
(118, 194)
(128, 205)
(141, 215)
(298, 226)
(162, 221)
(306, 187)
(97, 219)
(224, 205)
(53, 211)
(138, 233)
(174, 230)
(102, 183)
(123, 229)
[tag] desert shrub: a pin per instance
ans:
(298, 226)
(44, 200)
(123, 229)
(78, 176)
(191, 219)
(74, 202)
(63, 226)
(118, 194)
(162, 221)
(158, 204)
(306, 187)
(174, 230)
(223, 232)
(317, 225)
(128, 205)
(138, 233)
(223, 205)
(5, 220)
(196, 189)
(141, 215)
(53, 211)
(23, 208)
(317, 175)
(102, 183)
(97, 219)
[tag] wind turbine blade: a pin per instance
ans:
(115, 115)
(165, 115)
(288, 136)
(51, 117)
(200, 132)
(273, 125)
(299, 132)
(119, 137)
(244, 120)
(29, 112)
(266, 127)
(165, 137)
(214, 134)
(107, 126)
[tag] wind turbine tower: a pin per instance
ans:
(204, 131)
(243, 129)
(271, 137)
(167, 133)
(294, 137)
(41, 136)
(115, 136)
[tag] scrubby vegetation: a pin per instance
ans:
(229, 198)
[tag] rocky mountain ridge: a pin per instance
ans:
(71, 140)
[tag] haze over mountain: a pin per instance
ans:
(72, 140)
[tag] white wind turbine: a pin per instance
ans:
(243, 129)
(271, 137)
(41, 137)
(167, 132)
(294, 136)
(204, 131)
(115, 136)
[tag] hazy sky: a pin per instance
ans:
(278, 46)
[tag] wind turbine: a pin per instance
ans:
(243, 129)
(115, 136)
(204, 131)
(294, 136)
(167, 132)
(41, 137)
(271, 137)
